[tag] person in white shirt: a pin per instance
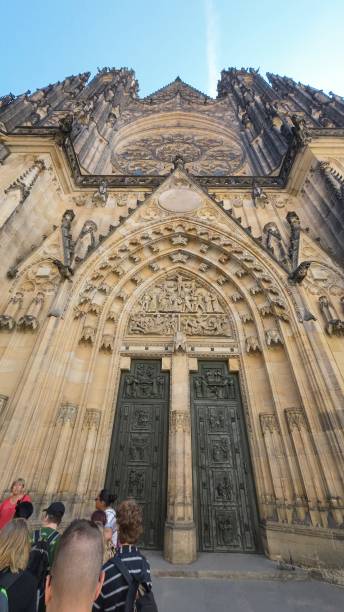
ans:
(104, 502)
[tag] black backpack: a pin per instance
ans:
(6, 581)
(39, 556)
(135, 601)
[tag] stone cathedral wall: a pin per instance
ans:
(94, 277)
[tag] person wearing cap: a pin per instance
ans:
(49, 533)
(52, 518)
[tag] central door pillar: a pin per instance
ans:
(180, 530)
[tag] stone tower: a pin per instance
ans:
(172, 308)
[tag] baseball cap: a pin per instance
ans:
(56, 508)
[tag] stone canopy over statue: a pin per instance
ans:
(179, 303)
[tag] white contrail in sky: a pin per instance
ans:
(212, 34)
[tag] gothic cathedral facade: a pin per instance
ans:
(172, 308)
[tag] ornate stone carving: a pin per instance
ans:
(156, 154)
(179, 240)
(179, 421)
(236, 296)
(86, 240)
(252, 344)
(221, 280)
(88, 334)
(179, 257)
(300, 273)
(92, 419)
(296, 419)
(67, 414)
(300, 131)
(67, 240)
(179, 303)
(273, 336)
(100, 196)
(333, 325)
(25, 181)
(7, 320)
(30, 319)
(295, 228)
(259, 197)
(107, 343)
(204, 267)
(154, 266)
(265, 310)
(269, 423)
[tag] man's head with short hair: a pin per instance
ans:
(53, 514)
(76, 575)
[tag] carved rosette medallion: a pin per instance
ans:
(180, 421)
(182, 304)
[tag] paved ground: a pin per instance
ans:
(207, 595)
(243, 583)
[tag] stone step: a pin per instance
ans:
(226, 566)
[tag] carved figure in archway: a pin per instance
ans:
(179, 303)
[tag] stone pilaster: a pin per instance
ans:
(180, 530)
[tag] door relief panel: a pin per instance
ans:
(137, 463)
(223, 484)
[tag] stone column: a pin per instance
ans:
(180, 530)
(278, 466)
(308, 463)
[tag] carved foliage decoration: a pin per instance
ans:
(179, 303)
(67, 414)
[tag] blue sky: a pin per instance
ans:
(42, 42)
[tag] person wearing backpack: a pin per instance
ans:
(44, 541)
(18, 587)
(127, 583)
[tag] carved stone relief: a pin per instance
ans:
(67, 414)
(179, 303)
(92, 418)
(179, 421)
(155, 154)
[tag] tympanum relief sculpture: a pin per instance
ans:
(179, 304)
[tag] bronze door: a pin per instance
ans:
(224, 496)
(137, 463)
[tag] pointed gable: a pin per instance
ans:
(177, 87)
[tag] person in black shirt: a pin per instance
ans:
(20, 585)
(115, 588)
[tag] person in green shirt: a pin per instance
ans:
(49, 534)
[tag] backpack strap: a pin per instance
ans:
(50, 539)
(36, 536)
(132, 584)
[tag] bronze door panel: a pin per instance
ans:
(137, 463)
(225, 501)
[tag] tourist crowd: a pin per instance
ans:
(92, 565)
